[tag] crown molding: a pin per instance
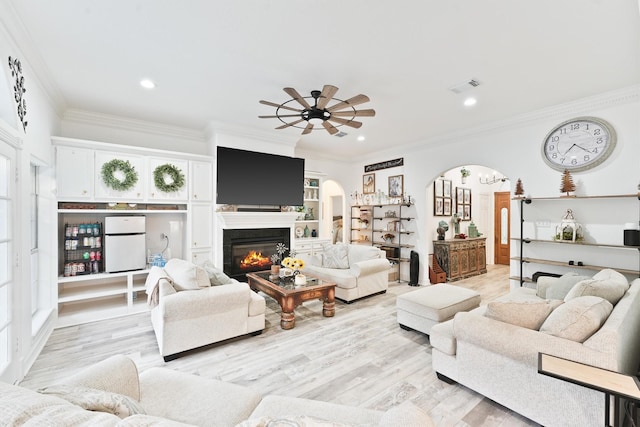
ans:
(119, 122)
(13, 29)
(557, 112)
(215, 128)
(10, 135)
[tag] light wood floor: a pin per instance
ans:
(359, 357)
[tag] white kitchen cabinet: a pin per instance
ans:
(135, 193)
(74, 173)
(154, 193)
(201, 181)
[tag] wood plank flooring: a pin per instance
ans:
(359, 357)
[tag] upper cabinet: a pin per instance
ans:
(123, 179)
(167, 179)
(74, 173)
(201, 181)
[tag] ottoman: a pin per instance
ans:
(423, 308)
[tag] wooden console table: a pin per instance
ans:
(613, 384)
(461, 258)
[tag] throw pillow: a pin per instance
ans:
(96, 400)
(561, 286)
(215, 276)
(578, 318)
(527, 314)
(335, 256)
(183, 274)
(607, 284)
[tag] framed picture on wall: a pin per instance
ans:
(438, 206)
(446, 190)
(396, 185)
(438, 188)
(446, 210)
(368, 183)
(463, 203)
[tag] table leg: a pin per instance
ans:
(287, 320)
(328, 308)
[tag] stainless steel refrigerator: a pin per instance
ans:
(124, 243)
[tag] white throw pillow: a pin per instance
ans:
(183, 274)
(215, 276)
(561, 286)
(578, 318)
(335, 256)
(608, 284)
(527, 314)
(96, 400)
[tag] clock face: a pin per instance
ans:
(579, 144)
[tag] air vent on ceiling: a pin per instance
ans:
(464, 86)
(341, 134)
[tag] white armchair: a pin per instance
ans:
(357, 270)
(188, 312)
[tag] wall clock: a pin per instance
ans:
(579, 144)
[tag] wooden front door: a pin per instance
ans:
(502, 224)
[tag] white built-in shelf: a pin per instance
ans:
(122, 211)
(566, 242)
(566, 264)
(604, 196)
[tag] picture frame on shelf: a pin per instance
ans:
(396, 186)
(368, 183)
(463, 203)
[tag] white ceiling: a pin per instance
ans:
(214, 60)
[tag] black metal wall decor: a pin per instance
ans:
(384, 165)
(18, 90)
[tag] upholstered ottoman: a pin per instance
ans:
(423, 308)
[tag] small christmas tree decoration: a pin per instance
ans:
(567, 184)
(519, 189)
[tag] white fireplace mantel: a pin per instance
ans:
(234, 220)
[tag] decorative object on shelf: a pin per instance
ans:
(307, 182)
(306, 231)
(443, 227)
(463, 203)
(567, 184)
(314, 233)
(119, 167)
(519, 191)
(227, 208)
(472, 230)
(301, 212)
(19, 90)
(388, 238)
(631, 234)
(396, 185)
(464, 173)
(369, 183)
(578, 144)
(318, 114)
(168, 178)
(455, 220)
(299, 232)
(300, 279)
(277, 257)
(309, 215)
(461, 236)
(491, 180)
(391, 214)
(569, 229)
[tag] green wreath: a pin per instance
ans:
(173, 172)
(110, 180)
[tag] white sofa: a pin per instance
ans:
(357, 270)
(194, 306)
(163, 397)
(499, 359)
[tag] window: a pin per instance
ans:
(33, 226)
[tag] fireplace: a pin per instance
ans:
(249, 249)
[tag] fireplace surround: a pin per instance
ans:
(249, 249)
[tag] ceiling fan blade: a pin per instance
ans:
(330, 128)
(308, 129)
(327, 95)
(286, 125)
(349, 123)
(281, 115)
(356, 100)
(295, 95)
(284, 107)
(356, 113)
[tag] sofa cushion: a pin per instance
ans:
(289, 421)
(215, 275)
(335, 256)
(559, 287)
(578, 318)
(443, 338)
(185, 275)
(96, 400)
(527, 314)
(140, 420)
(607, 284)
(358, 253)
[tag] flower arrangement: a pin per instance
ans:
(277, 257)
(465, 172)
(296, 264)
(389, 237)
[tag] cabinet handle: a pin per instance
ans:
(195, 196)
(195, 243)
(84, 191)
(153, 194)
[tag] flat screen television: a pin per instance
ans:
(252, 178)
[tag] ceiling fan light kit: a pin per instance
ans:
(330, 118)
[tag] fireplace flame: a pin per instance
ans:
(253, 260)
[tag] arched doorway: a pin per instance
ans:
(333, 211)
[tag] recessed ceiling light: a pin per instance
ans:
(361, 138)
(147, 84)
(469, 102)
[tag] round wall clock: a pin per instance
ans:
(579, 144)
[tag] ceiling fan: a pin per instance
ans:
(342, 113)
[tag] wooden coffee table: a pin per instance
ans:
(289, 296)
